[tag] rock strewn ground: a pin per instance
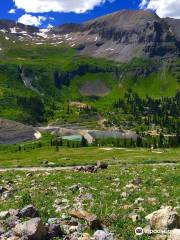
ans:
(84, 205)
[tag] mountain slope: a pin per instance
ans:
(124, 35)
(38, 82)
(120, 36)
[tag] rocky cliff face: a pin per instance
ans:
(174, 26)
(127, 34)
(120, 36)
(66, 28)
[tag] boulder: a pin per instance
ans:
(12, 221)
(165, 218)
(102, 165)
(29, 211)
(102, 235)
(85, 236)
(74, 187)
(88, 169)
(53, 231)
(73, 229)
(33, 229)
(92, 219)
(54, 221)
(14, 212)
(134, 217)
(4, 214)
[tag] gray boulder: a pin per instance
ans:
(53, 231)
(102, 235)
(165, 218)
(102, 165)
(33, 229)
(29, 211)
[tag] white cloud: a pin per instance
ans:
(28, 19)
(143, 4)
(50, 26)
(12, 11)
(40, 6)
(164, 8)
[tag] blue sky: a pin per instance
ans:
(56, 12)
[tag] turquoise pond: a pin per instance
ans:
(77, 138)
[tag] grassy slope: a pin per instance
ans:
(40, 63)
(156, 85)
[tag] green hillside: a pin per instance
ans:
(58, 75)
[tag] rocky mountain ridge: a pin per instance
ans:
(120, 36)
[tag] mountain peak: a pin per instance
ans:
(10, 24)
(126, 18)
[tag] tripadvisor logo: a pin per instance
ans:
(139, 231)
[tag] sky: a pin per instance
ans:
(49, 13)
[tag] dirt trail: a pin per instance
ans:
(50, 169)
(36, 169)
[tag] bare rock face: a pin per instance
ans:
(165, 218)
(127, 34)
(33, 229)
(66, 28)
(12, 132)
(174, 26)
